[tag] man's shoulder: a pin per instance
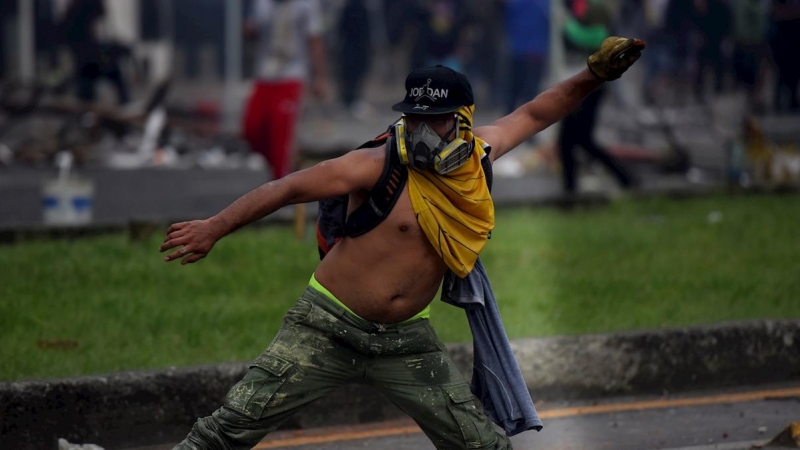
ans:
(370, 161)
(490, 134)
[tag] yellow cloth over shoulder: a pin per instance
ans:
(455, 210)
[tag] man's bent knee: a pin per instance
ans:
(469, 428)
(246, 416)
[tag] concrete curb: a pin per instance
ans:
(150, 407)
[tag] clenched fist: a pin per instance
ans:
(615, 56)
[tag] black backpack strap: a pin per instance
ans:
(382, 197)
(331, 215)
(332, 219)
(486, 163)
(377, 141)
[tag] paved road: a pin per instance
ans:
(722, 420)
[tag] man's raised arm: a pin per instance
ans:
(359, 169)
(614, 57)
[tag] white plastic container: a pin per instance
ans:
(67, 202)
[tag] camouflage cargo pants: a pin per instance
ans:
(320, 347)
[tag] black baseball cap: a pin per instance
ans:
(435, 90)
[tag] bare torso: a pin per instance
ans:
(392, 272)
(388, 274)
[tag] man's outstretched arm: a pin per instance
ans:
(615, 56)
(359, 169)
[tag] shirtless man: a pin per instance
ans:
(362, 319)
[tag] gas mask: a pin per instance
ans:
(423, 149)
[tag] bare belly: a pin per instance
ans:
(388, 274)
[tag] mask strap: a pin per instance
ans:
(443, 140)
(455, 127)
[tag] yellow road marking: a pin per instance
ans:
(547, 414)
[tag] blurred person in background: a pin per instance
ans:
(751, 49)
(48, 43)
(364, 316)
(661, 65)
(786, 36)
(290, 53)
(398, 27)
(197, 30)
(442, 33)
(355, 54)
(641, 18)
(7, 12)
(678, 31)
(92, 58)
(486, 66)
(711, 22)
(528, 38)
(584, 32)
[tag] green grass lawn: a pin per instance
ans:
(104, 304)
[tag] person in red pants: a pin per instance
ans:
(290, 54)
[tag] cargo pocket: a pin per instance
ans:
(470, 420)
(265, 376)
(298, 313)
